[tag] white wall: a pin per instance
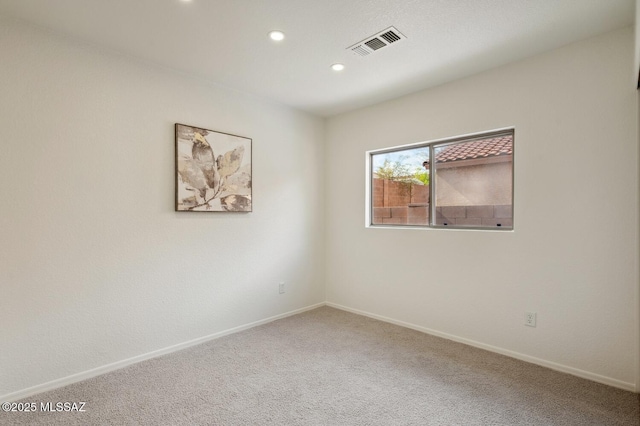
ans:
(573, 256)
(95, 266)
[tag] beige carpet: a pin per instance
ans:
(329, 367)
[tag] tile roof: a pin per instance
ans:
(483, 148)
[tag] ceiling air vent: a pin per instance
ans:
(377, 41)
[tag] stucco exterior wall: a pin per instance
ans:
(487, 184)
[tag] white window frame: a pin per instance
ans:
(432, 145)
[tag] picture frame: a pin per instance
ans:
(213, 171)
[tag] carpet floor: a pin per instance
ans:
(330, 367)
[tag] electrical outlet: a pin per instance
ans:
(530, 319)
(281, 287)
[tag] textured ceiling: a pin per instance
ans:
(225, 41)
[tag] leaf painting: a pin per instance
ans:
(229, 163)
(213, 170)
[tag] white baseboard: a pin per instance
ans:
(54, 384)
(58, 383)
(533, 360)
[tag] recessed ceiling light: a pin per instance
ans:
(276, 35)
(337, 67)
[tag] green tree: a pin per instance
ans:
(394, 170)
(422, 175)
(400, 172)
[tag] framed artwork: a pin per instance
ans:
(213, 171)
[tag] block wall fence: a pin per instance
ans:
(397, 203)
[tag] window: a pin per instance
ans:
(469, 179)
